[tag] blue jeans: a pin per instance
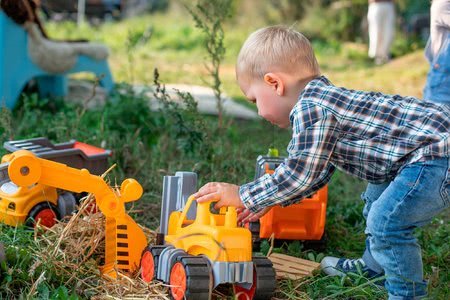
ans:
(392, 211)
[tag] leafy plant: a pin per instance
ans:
(187, 128)
(209, 17)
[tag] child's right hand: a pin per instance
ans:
(225, 194)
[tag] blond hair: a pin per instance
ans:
(276, 48)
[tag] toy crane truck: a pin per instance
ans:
(203, 248)
(303, 221)
(41, 203)
(124, 239)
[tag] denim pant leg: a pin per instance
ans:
(372, 193)
(418, 193)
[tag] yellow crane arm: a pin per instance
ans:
(25, 169)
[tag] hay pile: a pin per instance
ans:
(74, 250)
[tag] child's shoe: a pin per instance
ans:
(341, 266)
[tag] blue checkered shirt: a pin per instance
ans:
(367, 134)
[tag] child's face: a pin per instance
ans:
(270, 103)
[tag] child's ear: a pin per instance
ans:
(276, 82)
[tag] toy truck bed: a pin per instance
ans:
(301, 221)
(73, 153)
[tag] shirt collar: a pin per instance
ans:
(320, 81)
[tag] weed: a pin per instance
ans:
(209, 16)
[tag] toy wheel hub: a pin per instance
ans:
(148, 266)
(47, 217)
(178, 281)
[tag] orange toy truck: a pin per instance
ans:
(302, 221)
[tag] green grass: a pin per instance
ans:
(148, 145)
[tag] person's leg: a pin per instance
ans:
(336, 266)
(388, 31)
(372, 193)
(373, 24)
(416, 195)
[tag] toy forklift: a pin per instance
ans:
(303, 221)
(202, 248)
(46, 204)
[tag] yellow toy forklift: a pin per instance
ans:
(202, 248)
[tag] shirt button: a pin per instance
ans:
(436, 66)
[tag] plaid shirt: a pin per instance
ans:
(367, 134)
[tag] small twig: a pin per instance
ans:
(272, 241)
(35, 285)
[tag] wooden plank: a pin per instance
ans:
(284, 275)
(292, 267)
(295, 259)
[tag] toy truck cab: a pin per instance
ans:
(20, 203)
(26, 205)
(214, 234)
(203, 248)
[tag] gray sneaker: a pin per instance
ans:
(335, 266)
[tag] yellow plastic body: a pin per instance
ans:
(125, 241)
(6, 158)
(216, 236)
(23, 200)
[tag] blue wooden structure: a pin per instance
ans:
(17, 69)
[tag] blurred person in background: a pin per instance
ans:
(381, 22)
(437, 52)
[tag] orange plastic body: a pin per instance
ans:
(301, 221)
(124, 239)
(216, 236)
(88, 149)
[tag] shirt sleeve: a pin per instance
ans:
(307, 169)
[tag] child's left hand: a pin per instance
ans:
(245, 215)
(225, 194)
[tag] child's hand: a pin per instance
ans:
(225, 194)
(245, 215)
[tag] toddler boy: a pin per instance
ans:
(400, 145)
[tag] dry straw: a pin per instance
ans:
(74, 250)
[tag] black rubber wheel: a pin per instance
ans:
(265, 278)
(149, 256)
(254, 228)
(194, 274)
(43, 211)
